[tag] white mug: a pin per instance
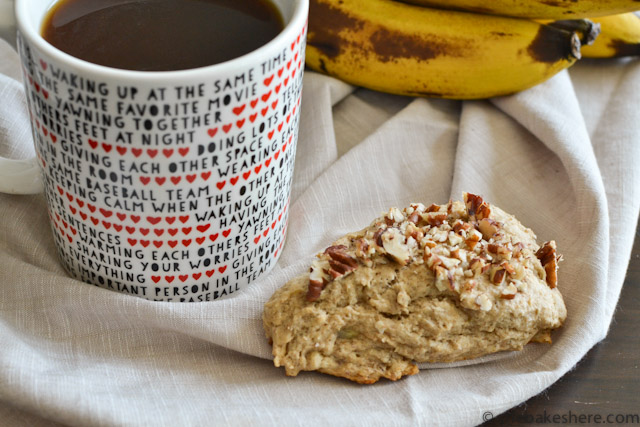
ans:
(171, 186)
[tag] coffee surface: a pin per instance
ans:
(160, 35)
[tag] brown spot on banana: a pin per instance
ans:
(325, 27)
(389, 45)
(552, 45)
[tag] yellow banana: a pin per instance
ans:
(620, 36)
(542, 9)
(399, 48)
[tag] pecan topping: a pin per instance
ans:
(549, 260)
(488, 227)
(377, 236)
(314, 290)
(433, 208)
(498, 275)
(476, 207)
(437, 219)
(340, 262)
(459, 226)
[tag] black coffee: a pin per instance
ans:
(160, 35)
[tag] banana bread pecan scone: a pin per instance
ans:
(437, 284)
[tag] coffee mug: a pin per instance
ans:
(170, 186)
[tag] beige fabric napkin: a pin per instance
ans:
(563, 157)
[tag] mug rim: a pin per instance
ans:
(297, 21)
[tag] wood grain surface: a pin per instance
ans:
(604, 388)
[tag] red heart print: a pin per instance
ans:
(156, 279)
(43, 65)
(152, 152)
(117, 227)
(121, 216)
(246, 175)
(234, 180)
(196, 276)
(69, 239)
(184, 277)
(220, 184)
(267, 163)
(186, 230)
(265, 232)
(73, 210)
(273, 225)
(132, 242)
(95, 220)
(226, 233)
(200, 240)
(186, 242)
(121, 150)
(53, 138)
(295, 57)
(191, 177)
(184, 218)
(212, 132)
(293, 45)
(240, 123)
(130, 230)
(144, 231)
(209, 273)
(202, 228)
(176, 179)
(280, 126)
(213, 237)
(252, 118)
(37, 86)
(158, 231)
(157, 243)
(257, 168)
(222, 269)
(135, 218)
(45, 131)
(70, 197)
(226, 128)
(268, 80)
(264, 111)
(153, 220)
(169, 279)
(60, 190)
(145, 179)
(93, 143)
(160, 180)
(254, 103)
(106, 147)
(256, 239)
(183, 151)
(73, 230)
(105, 213)
(289, 63)
(270, 134)
(172, 231)
(136, 151)
(170, 219)
(266, 96)
(144, 243)
(79, 202)
(167, 152)
(91, 207)
(286, 82)
(173, 243)
(205, 175)
(238, 110)
(278, 88)
(274, 104)
(280, 71)
(83, 215)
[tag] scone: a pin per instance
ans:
(437, 284)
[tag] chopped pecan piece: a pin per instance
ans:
(488, 227)
(377, 236)
(498, 275)
(473, 238)
(549, 260)
(476, 207)
(433, 208)
(314, 290)
(414, 217)
(393, 243)
(510, 292)
(437, 219)
(340, 262)
(460, 226)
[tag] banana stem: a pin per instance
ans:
(587, 30)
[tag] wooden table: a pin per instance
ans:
(605, 384)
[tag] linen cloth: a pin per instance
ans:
(563, 157)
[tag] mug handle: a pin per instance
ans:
(20, 176)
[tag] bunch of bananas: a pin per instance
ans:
(463, 49)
